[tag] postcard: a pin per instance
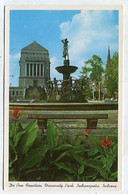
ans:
(63, 98)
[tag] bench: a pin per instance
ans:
(42, 117)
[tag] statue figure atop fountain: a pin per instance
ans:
(66, 69)
(65, 50)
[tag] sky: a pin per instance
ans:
(89, 32)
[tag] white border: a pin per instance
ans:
(6, 112)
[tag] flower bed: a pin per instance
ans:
(58, 156)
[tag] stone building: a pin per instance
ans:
(34, 65)
(34, 70)
(16, 93)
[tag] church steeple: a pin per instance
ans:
(108, 57)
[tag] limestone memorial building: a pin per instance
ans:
(34, 70)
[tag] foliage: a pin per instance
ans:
(24, 149)
(85, 88)
(94, 70)
(111, 76)
(59, 157)
(94, 67)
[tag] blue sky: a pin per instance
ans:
(89, 32)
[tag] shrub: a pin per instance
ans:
(57, 156)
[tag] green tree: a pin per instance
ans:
(111, 76)
(85, 89)
(93, 69)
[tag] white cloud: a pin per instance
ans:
(90, 32)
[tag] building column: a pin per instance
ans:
(25, 73)
(36, 69)
(29, 70)
(43, 70)
(40, 70)
(32, 69)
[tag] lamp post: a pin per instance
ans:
(11, 76)
(93, 91)
(10, 92)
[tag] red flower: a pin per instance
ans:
(87, 131)
(105, 143)
(16, 113)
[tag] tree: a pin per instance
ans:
(85, 88)
(93, 69)
(111, 76)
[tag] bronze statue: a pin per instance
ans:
(65, 48)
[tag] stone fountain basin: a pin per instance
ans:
(66, 69)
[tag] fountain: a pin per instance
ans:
(70, 90)
(66, 69)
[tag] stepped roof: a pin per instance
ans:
(34, 46)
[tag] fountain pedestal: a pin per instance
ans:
(66, 70)
(66, 62)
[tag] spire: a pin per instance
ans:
(108, 57)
